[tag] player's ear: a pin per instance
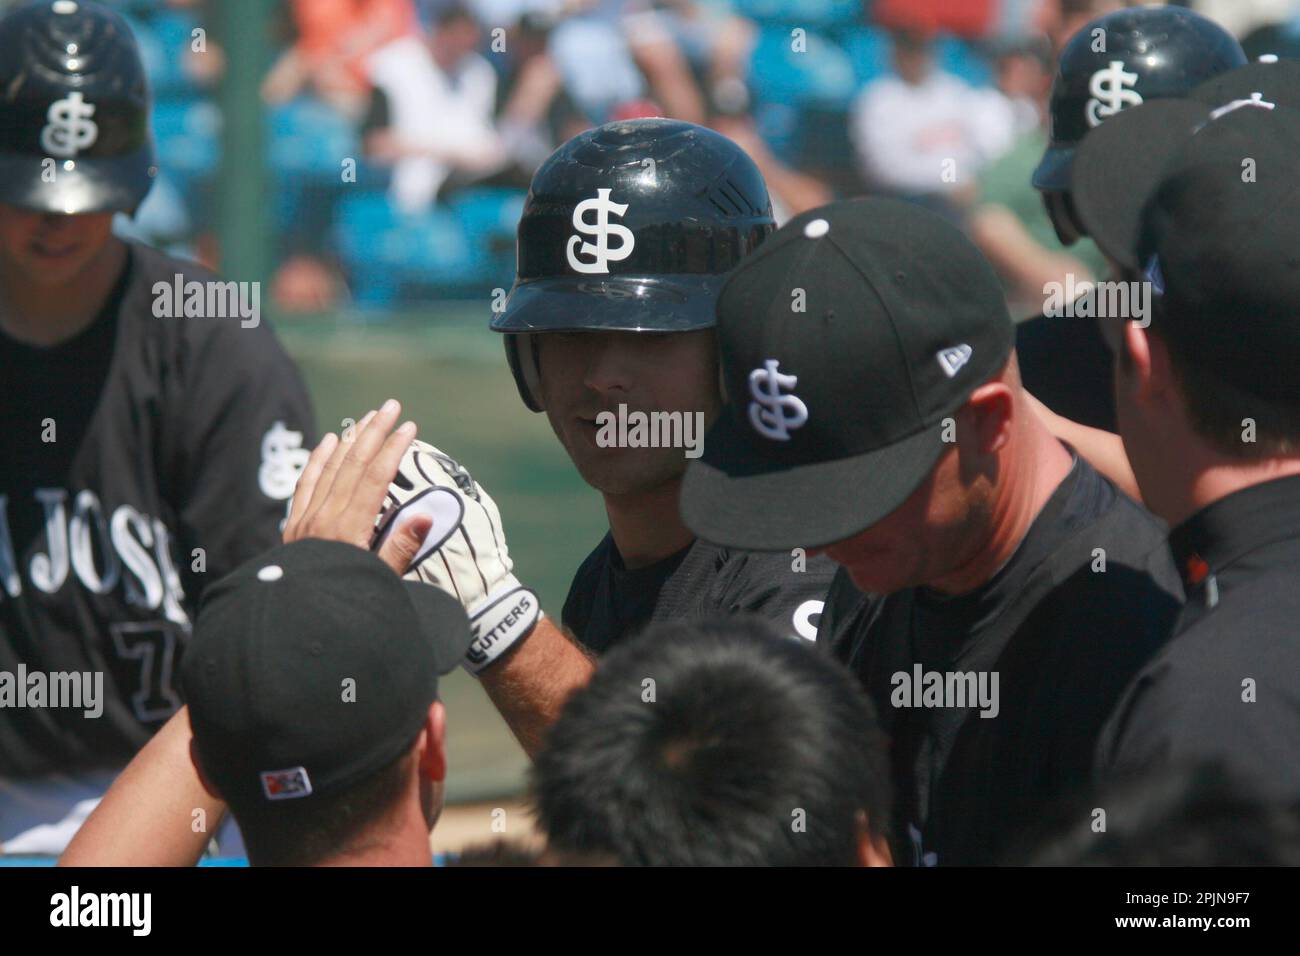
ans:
(208, 785)
(1146, 361)
(432, 744)
(988, 416)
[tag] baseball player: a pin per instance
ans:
(995, 592)
(151, 441)
(625, 238)
(1210, 414)
(1113, 63)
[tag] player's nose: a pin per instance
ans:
(609, 367)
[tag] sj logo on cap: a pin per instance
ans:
(602, 229)
(773, 413)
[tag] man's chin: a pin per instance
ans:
(624, 471)
(874, 579)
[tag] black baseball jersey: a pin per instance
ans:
(1226, 688)
(608, 602)
(141, 459)
(1084, 602)
(1065, 364)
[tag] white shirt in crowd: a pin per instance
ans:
(908, 136)
(448, 113)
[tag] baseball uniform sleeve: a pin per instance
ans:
(247, 431)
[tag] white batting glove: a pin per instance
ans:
(464, 552)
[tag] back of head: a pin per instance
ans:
(715, 744)
(331, 826)
(324, 744)
(1177, 816)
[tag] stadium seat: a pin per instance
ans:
(822, 74)
(309, 138)
(964, 60)
(868, 50)
(488, 218)
(389, 255)
(187, 132)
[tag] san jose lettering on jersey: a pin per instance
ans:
(125, 548)
(178, 444)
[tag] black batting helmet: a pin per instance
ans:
(74, 110)
(1118, 61)
(630, 226)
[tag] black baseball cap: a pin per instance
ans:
(1207, 214)
(312, 667)
(845, 340)
(1123, 162)
(1274, 79)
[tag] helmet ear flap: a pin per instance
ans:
(1060, 209)
(523, 365)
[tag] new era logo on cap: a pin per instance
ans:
(951, 360)
(286, 784)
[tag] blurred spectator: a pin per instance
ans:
(431, 111)
(1062, 19)
(1009, 222)
(715, 43)
(922, 133)
(306, 283)
(606, 53)
(334, 39)
(792, 191)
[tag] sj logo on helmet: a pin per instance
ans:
(69, 127)
(599, 251)
(1110, 92)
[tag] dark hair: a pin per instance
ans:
(306, 832)
(1216, 408)
(714, 743)
(1177, 816)
(500, 852)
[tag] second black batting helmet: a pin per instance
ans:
(630, 226)
(74, 110)
(1121, 60)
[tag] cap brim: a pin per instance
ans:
(1120, 165)
(671, 303)
(1052, 174)
(1277, 82)
(444, 622)
(731, 496)
(118, 184)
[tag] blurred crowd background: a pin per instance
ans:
(400, 135)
